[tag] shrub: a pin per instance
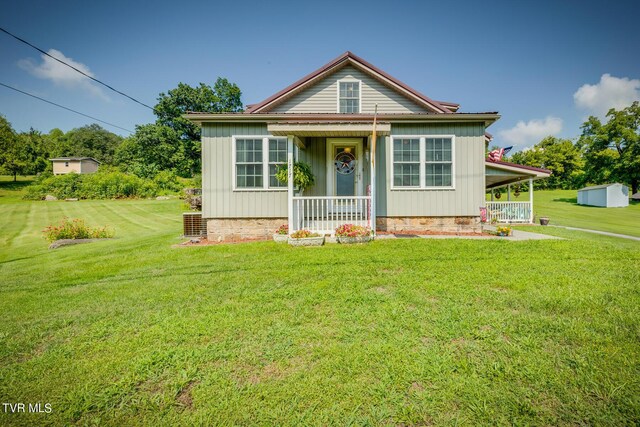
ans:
(75, 229)
(351, 230)
(303, 234)
(283, 229)
(107, 183)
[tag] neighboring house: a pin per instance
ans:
(607, 196)
(426, 171)
(63, 165)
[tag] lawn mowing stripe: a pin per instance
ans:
(171, 218)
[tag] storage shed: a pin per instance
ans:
(64, 165)
(607, 195)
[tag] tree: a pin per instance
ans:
(153, 148)
(14, 157)
(561, 156)
(91, 141)
(612, 150)
(223, 97)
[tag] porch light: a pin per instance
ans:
(347, 149)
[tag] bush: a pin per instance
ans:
(104, 184)
(283, 229)
(75, 229)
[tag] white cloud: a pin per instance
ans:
(529, 133)
(60, 74)
(610, 92)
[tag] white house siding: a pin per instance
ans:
(219, 200)
(323, 96)
(468, 195)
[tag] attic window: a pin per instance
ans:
(349, 96)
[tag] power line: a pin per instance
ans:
(66, 108)
(74, 68)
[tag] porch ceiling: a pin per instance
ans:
(329, 129)
(498, 174)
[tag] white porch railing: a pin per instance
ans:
(509, 211)
(323, 214)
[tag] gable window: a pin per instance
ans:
(349, 96)
(256, 162)
(423, 162)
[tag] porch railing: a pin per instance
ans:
(323, 214)
(509, 211)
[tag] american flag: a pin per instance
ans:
(496, 155)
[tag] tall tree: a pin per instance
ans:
(222, 97)
(151, 149)
(612, 150)
(91, 141)
(14, 156)
(561, 156)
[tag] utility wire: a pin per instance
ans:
(66, 108)
(74, 68)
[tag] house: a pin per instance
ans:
(607, 196)
(63, 165)
(425, 170)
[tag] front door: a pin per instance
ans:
(344, 167)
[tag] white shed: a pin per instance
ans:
(607, 195)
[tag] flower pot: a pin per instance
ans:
(306, 241)
(349, 240)
(544, 220)
(280, 238)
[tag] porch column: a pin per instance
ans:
(290, 182)
(491, 194)
(372, 185)
(531, 200)
(508, 192)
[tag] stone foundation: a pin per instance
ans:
(448, 224)
(239, 229)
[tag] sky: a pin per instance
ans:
(544, 66)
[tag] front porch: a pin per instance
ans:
(342, 160)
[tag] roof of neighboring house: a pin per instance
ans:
(68, 159)
(517, 166)
(341, 61)
(596, 187)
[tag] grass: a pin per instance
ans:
(397, 332)
(561, 206)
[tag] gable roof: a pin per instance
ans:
(343, 60)
(597, 187)
(67, 159)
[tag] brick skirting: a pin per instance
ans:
(449, 224)
(238, 229)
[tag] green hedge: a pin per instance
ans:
(106, 184)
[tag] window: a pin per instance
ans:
(438, 162)
(256, 161)
(66, 164)
(277, 158)
(423, 162)
(349, 96)
(406, 162)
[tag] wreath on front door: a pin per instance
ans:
(345, 163)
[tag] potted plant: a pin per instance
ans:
(544, 220)
(350, 233)
(305, 238)
(504, 230)
(282, 234)
(303, 178)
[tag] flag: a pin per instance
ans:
(496, 155)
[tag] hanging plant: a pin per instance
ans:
(516, 192)
(303, 178)
(497, 194)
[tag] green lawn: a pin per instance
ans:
(563, 209)
(398, 332)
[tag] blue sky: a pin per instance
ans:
(544, 66)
